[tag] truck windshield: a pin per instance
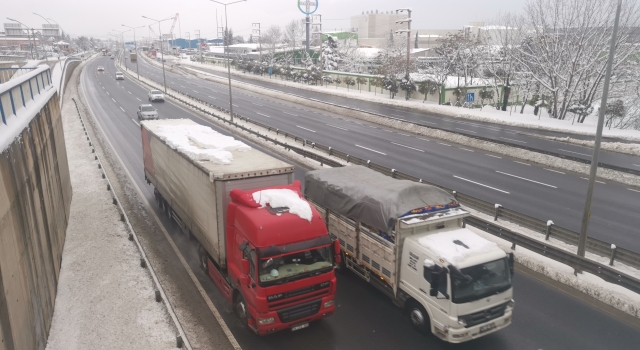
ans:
(284, 268)
(481, 281)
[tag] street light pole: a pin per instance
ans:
(35, 45)
(408, 30)
(586, 215)
(135, 45)
(164, 76)
(226, 31)
(45, 52)
(259, 38)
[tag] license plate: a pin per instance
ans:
(300, 326)
(488, 327)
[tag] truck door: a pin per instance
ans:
(439, 305)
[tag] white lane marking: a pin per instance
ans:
(298, 126)
(235, 105)
(636, 164)
(555, 171)
(582, 154)
(129, 92)
(337, 127)
(108, 92)
(264, 115)
(289, 113)
(491, 155)
(404, 134)
(422, 139)
(515, 161)
(113, 99)
(212, 97)
(103, 88)
(483, 185)
(631, 189)
(424, 121)
(122, 109)
(372, 150)
(138, 124)
(182, 86)
(467, 130)
(444, 144)
(386, 130)
(195, 91)
(513, 140)
(373, 127)
(138, 99)
(586, 178)
(257, 104)
(464, 149)
(415, 149)
(398, 118)
(524, 178)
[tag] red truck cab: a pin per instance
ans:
(279, 265)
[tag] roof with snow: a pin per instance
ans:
(460, 246)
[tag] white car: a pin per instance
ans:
(156, 95)
(100, 69)
(119, 76)
(147, 112)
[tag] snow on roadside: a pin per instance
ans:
(486, 114)
(105, 300)
(620, 147)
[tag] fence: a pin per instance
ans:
(23, 90)
(497, 211)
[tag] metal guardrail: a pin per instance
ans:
(497, 211)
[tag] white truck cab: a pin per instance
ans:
(409, 240)
(459, 283)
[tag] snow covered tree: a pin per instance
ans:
(408, 86)
(428, 87)
(615, 110)
(349, 81)
(391, 84)
(360, 81)
(330, 56)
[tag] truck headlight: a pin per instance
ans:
(329, 303)
(462, 322)
(264, 321)
(511, 304)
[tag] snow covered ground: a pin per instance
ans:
(487, 114)
(105, 299)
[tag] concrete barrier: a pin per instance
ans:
(35, 196)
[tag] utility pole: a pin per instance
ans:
(259, 37)
(135, 45)
(586, 215)
(408, 30)
(226, 30)
(317, 29)
(164, 77)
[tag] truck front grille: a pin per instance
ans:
(484, 315)
(299, 311)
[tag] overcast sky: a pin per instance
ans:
(97, 18)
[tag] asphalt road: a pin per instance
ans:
(545, 318)
(543, 193)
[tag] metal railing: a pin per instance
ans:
(17, 92)
(548, 229)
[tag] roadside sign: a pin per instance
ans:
(270, 71)
(471, 96)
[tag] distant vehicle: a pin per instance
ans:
(119, 76)
(133, 57)
(112, 57)
(156, 95)
(100, 69)
(146, 112)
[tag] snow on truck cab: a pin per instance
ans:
(265, 247)
(409, 240)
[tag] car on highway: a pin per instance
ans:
(112, 57)
(100, 69)
(119, 76)
(146, 112)
(156, 95)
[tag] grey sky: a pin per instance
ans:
(96, 18)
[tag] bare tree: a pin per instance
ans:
(271, 40)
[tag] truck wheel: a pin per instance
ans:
(240, 308)
(419, 318)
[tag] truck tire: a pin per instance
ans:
(419, 317)
(240, 308)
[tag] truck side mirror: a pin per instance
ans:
(245, 267)
(435, 284)
(243, 245)
(511, 260)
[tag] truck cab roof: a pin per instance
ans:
(457, 246)
(266, 226)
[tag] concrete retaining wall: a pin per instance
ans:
(35, 196)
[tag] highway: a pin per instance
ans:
(543, 193)
(545, 317)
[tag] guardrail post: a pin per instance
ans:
(329, 150)
(455, 193)
(614, 250)
(393, 173)
(549, 224)
(368, 164)
(348, 158)
(495, 217)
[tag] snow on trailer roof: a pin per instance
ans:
(367, 196)
(222, 156)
